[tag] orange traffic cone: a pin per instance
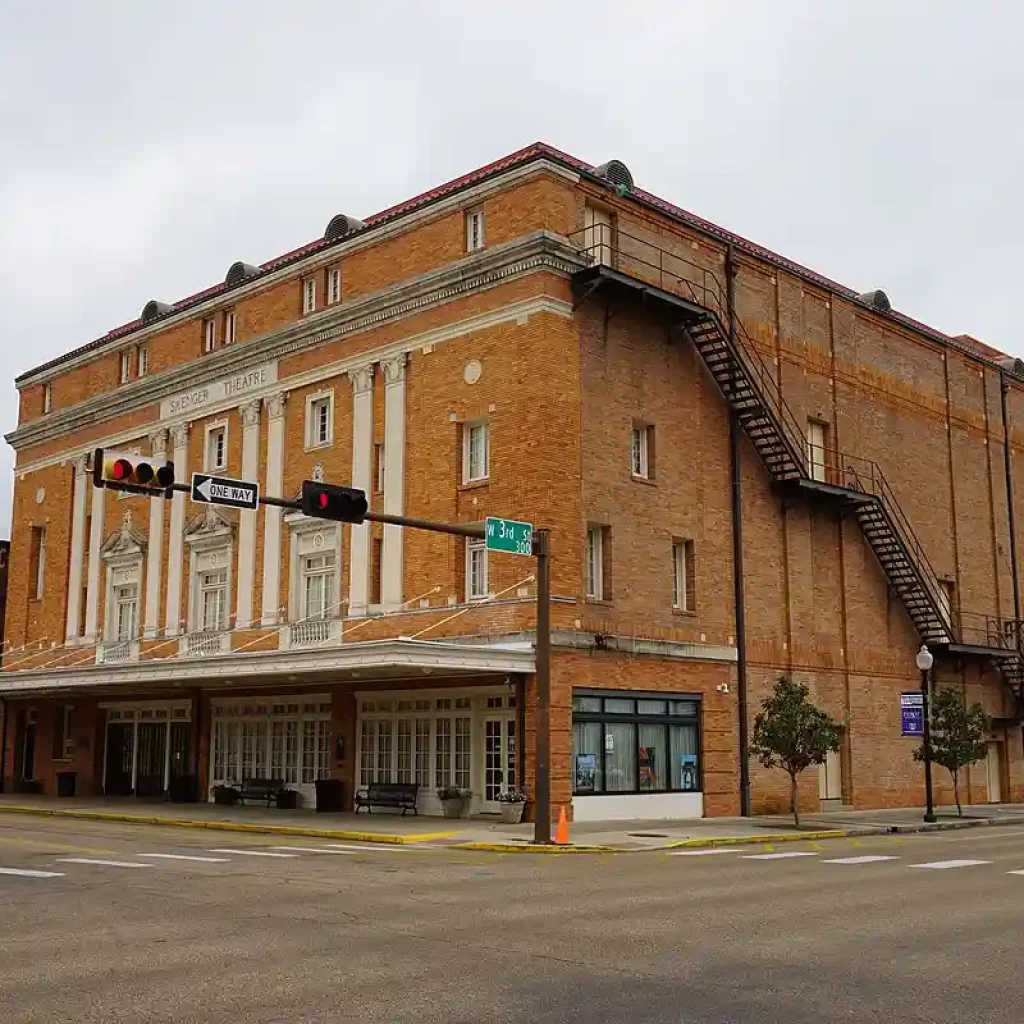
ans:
(562, 832)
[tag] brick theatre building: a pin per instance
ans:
(747, 470)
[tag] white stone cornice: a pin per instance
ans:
(541, 251)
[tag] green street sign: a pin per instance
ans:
(508, 535)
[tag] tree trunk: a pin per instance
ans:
(956, 794)
(794, 804)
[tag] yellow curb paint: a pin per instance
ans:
(227, 826)
(514, 848)
(782, 837)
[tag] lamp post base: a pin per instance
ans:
(930, 818)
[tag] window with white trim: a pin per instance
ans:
(216, 446)
(319, 421)
(474, 230)
(126, 612)
(333, 286)
(682, 575)
(142, 357)
(318, 587)
(126, 366)
(47, 398)
(642, 451)
(212, 596)
(595, 576)
(476, 569)
(209, 334)
(229, 327)
(475, 452)
(309, 295)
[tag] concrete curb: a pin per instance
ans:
(782, 837)
(529, 848)
(227, 826)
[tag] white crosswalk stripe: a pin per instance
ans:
(104, 863)
(1015, 872)
(253, 853)
(865, 859)
(314, 849)
(30, 873)
(780, 856)
(943, 865)
(381, 848)
(703, 852)
(186, 856)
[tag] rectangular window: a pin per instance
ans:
(47, 398)
(334, 286)
(126, 605)
(474, 230)
(596, 580)
(642, 452)
(216, 447)
(816, 436)
(377, 553)
(213, 601)
(142, 355)
(476, 569)
(683, 581)
(475, 453)
(229, 326)
(318, 585)
(209, 334)
(63, 744)
(378, 458)
(443, 753)
(126, 366)
(37, 553)
(320, 427)
(635, 746)
(309, 295)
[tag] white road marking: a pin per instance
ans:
(254, 853)
(104, 863)
(942, 865)
(185, 856)
(779, 856)
(313, 849)
(866, 859)
(385, 847)
(703, 853)
(28, 873)
(1015, 872)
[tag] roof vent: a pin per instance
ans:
(617, 173)
(238, 272)
(1011, 365)
(152, 309)
(341, 225)
(877, 300)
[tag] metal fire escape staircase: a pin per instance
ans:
(633, 269)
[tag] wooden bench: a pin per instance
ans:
(260, 790)
(389, 794)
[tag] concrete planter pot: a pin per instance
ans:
(453, 807)
(512, 814)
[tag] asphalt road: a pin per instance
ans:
(327, 932)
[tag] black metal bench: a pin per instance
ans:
(260, 790)
(389, 794)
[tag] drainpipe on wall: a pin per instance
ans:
(5, 706)
(735, 436)
(1004, 389)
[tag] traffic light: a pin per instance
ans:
(111, 467)
(327, 501)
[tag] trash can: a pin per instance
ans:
(330, 795)
(183, 789)
(66, 783)
(287, 800)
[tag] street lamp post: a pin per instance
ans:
(925, 660)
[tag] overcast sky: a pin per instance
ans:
(145, 146)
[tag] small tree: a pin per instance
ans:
(958, 735)
(791, 733)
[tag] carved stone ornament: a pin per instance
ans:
(394, 368)
(275, 405)
(318, 472)
(179, 435)
(362, 378)
(250, 412)
(158, 442)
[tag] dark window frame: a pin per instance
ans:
(637, 719)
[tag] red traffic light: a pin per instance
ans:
(113, 468)
(327, 501)
(121, 470)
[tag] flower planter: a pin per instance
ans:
(512, 813)
(453, 807)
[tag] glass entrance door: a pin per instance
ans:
(152, 763)
(119, 759)
(499, 758)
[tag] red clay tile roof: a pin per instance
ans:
(535, 151)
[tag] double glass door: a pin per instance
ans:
(499, 758)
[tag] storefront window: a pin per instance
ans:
(645, 744)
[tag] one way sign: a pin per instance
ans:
(220, 490)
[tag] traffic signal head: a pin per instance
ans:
(111, 467)
(326, 501)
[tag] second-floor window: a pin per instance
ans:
(682, 575)
(642, 451)
(309, 295)
(318, 601)
(595, 575)
(319, 420)
(142, 355)
(217, 447)
(474, 230)
(229, 327)
(126, 365)
(213, 601)
(47, 398)
(476, 569)
(475, 452)
(126, 612)
(38, 556)
(209, 334)
(817, 436)
(333, 286)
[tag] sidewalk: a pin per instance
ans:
(490, 835)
